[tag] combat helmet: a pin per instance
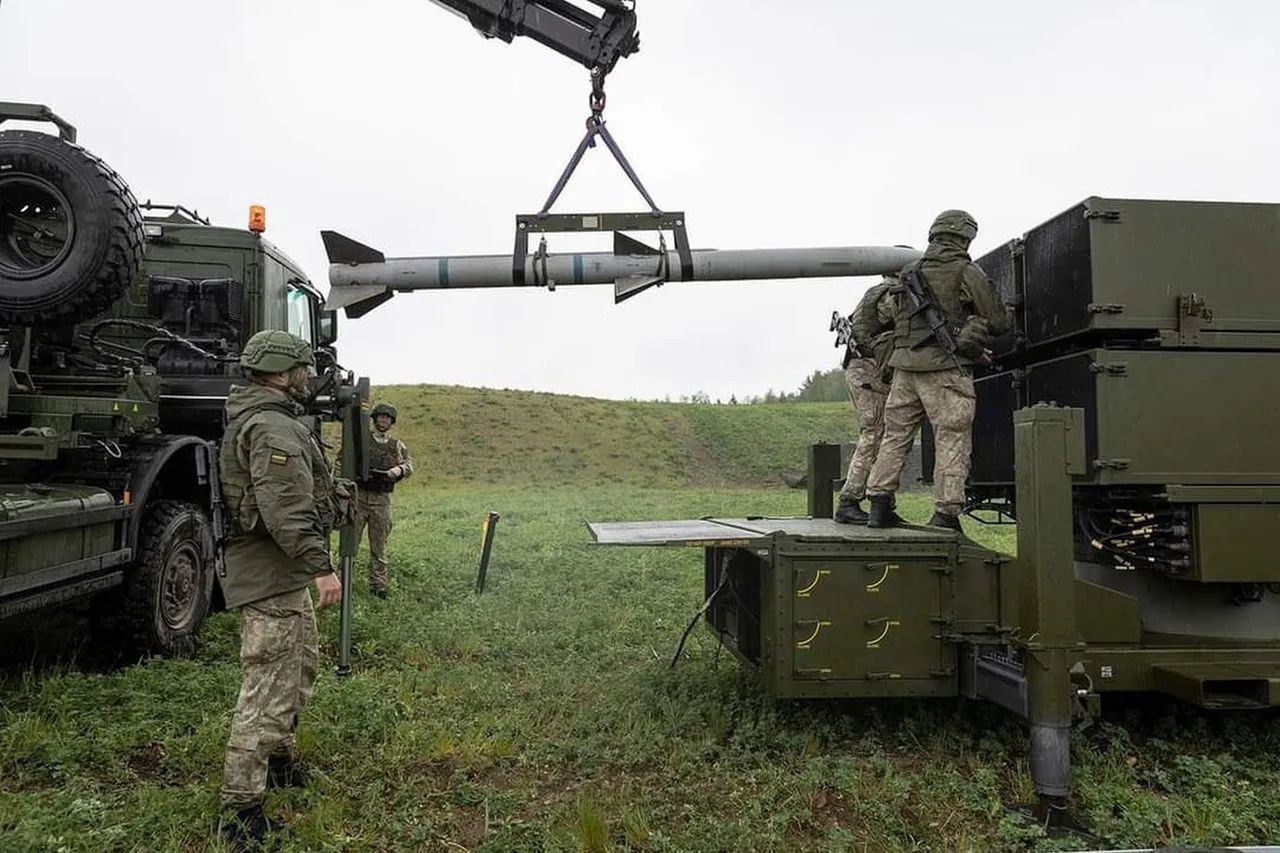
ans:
(274, 351)
(956, 222)
(384, 409)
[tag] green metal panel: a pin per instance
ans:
(1154, 251)
(1221, 685)
(1186, 417)
(47, 546)
(1105, 615)
(976, 591)
(877, 617)
(1237, 543)
(1189, 274)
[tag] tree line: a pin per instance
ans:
(821, 386)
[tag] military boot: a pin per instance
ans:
(283, 771)
(850, 512)
(945, 519)
(248, 828)
(882, 513)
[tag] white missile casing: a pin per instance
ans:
(358, 280)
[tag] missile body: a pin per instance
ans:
(361, 278)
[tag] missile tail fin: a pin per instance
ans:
(624, 245)
(625, 288)
(344, 250)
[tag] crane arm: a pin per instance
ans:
(596, 40)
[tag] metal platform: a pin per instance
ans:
(741, 532)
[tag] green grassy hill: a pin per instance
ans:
(544, 715)
(478, 435)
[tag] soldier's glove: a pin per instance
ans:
(974, 339)
(343, 500)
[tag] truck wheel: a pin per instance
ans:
(166, 593)
(71, 236)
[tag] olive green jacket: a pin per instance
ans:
(961, 290)
(872, 332)
(278, 491)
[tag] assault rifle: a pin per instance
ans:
(843, 327)
(913, 284)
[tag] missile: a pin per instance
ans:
(361, 278)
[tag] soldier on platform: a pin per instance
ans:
(866, 374)
(928, 379)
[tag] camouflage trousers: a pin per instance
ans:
(374, 512)
(279, 654)
(868, 392)
(947, 398)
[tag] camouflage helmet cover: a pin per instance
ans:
(275, 351)
(956, 222)
(384, 409)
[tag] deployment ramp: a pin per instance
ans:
(742, 532)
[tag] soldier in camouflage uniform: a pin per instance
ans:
(927, 380)
(389, 463)
(279, 497)
(865, 375)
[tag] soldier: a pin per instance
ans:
(279, 497)
(927, 380)
(389, 463)
(865, 375)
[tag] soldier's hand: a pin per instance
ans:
(330, 589)
(395, 473)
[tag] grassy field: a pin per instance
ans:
(543, 715)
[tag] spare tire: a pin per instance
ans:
(71, 235)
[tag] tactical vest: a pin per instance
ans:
(911, 330)
(383, 455)
(237, 485)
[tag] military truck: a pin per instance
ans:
(120, 327)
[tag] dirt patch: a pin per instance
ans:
(147, 763)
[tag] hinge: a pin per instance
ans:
(1120, 369)
(1105, 308)
(1104, 215)
(881, 676)
(940, 619)
(942, 673)
(1111, 464)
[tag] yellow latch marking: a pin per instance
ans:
(804, 593)
(875, 587)
(875, 644)
(115, 407)
(817, 628)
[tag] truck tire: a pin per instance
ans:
(167, 591)
(71, 238)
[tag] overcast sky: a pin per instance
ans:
(772, 124)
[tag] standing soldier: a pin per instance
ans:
(865, 366)
(279, 499)
(389, 463)
(929, 380)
